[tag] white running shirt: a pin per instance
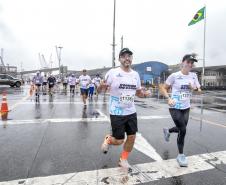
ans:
(97, 81)
(45, 79)
(123, 86)
(72, 80)
(37, 80)
(181, 91)
(65, 80)
(84, 81)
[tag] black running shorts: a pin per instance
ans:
(123, 124)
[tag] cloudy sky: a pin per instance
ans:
(154, 30)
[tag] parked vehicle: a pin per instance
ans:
(6, 79)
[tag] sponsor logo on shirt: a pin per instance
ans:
(127, 86)
(119, 75)
(185, 87)
(179, 77)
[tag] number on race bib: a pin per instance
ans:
(185, 96)
(126, 99)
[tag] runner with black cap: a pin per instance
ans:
(124, 83)
(51, 81)
(182, 85)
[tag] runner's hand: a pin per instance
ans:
(171, 102)
(198, 91)
(103, 86)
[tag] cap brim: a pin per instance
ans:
(128, 52)
(194, 60)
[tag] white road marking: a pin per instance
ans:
(61, 103)
(142, 145)
(18, 103)
(54, 120)
(102, 118)
(101, 113)
(141, 173)
(155, 117)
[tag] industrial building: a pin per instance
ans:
(154, 72)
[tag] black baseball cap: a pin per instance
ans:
(125, 50)
(189, 57)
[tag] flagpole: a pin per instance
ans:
(203, 68)
(204, 50)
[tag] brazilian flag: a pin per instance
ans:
(198, 16)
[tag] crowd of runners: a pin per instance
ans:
(83, 84)
(123, 84)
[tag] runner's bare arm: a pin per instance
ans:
(164, 88)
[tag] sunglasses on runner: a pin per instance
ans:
(189, 62)
(126, 55)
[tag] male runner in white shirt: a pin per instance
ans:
(124, 84)
(84, 81)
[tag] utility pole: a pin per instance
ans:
(113, 44)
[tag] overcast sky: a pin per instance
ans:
(153, 29)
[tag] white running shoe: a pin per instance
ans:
(182, 160)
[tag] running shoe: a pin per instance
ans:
(105, 145)
(124, 164)
(166, 134)
(182, 160)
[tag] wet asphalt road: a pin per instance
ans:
(38, 140)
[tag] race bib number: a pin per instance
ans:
(51, 83)
(127, 100)
(37, 81)
(184, 96)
